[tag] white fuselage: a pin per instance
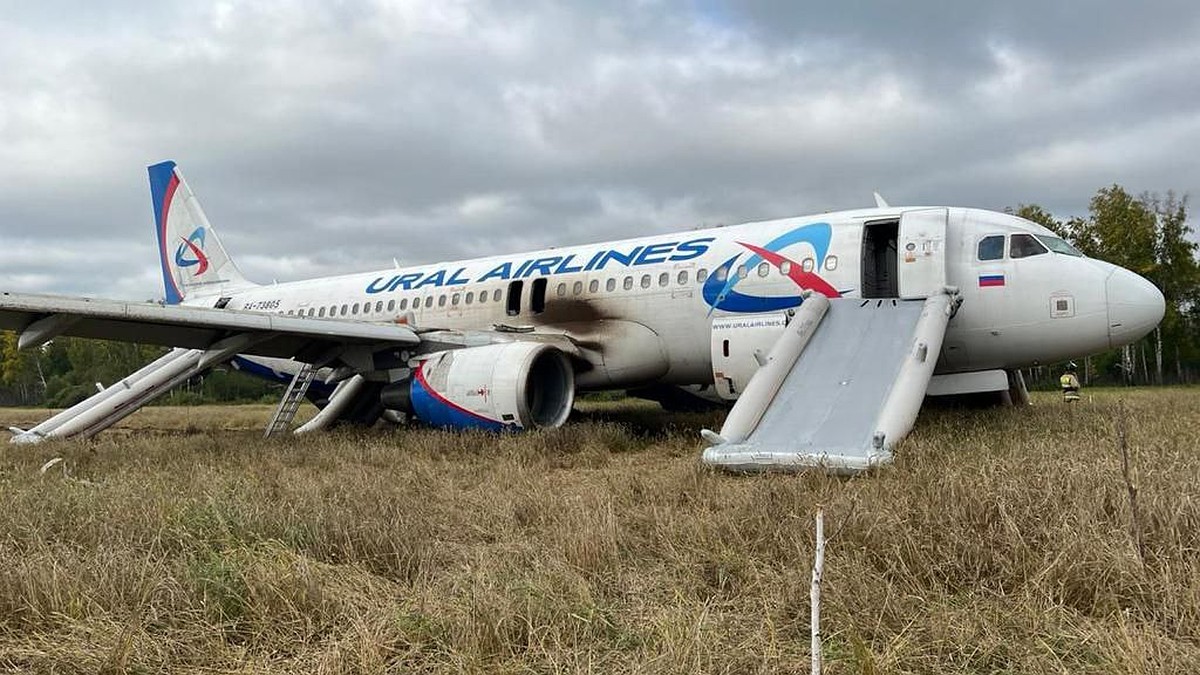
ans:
(645, 306)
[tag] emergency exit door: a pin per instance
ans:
(921, 254)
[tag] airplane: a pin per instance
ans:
(824, 332)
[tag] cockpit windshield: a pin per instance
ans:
(1024, 246)
(1059, 246)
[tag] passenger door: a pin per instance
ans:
(921, 252)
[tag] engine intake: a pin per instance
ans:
(515, 385)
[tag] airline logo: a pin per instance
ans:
(191, 252)
(719, 290)
(649, 254)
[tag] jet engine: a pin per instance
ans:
(515, 385)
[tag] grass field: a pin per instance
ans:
(1000, 542)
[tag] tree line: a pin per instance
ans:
(1148, 234)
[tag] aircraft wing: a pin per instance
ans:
(39, 318)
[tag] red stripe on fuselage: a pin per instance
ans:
(796, 273)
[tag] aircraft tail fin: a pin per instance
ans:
(193, 260)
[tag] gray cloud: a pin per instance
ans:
(327, 138)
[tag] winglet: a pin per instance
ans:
(880, 201)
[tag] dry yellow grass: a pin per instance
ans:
(999, 543)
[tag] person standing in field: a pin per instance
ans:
(1070, 383)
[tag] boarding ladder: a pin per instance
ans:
(290, 403)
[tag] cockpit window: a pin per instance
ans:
(1059, 246)
(1024, 245)
(991, 248)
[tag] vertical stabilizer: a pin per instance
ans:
(194, 263)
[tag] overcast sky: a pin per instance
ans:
(329, 137)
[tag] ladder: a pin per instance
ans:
(290, 403)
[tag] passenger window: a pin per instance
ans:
(441, 301)
(701, 275)
(403, 303)
(785, 267)
(808, 264)
(645, 281)
(742, 272)
(496, 295)
(764, 269)
(593, 286)
(1024, 246)
(561, 290)
(664, 279)
(628, 285)
(483, 297)
(682, 278)
(391, 305)
(345, 308)
(354, 308)
(311, 311)
(470, 297)
(991, 248)
(722, 273)
(379, 306)
(577, 288)
(610, 285)
(454, 299)
(831, 263)
(428, 302)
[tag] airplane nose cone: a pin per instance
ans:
(1135, 306)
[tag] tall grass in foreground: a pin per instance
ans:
(999, 542)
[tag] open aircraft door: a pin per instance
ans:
(921, 249)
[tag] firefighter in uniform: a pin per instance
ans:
(1070, 383)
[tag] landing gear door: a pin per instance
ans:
(921, 250)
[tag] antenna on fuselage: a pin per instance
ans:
(880, 201)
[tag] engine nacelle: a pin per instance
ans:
(515, 385)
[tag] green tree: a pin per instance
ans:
(1177, 274)
(1041, 216)
(1126, 229)
(20, 370)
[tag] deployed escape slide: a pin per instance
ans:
(109, 406)
(839, 388)
(113, 404)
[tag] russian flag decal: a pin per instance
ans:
(986, 280)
